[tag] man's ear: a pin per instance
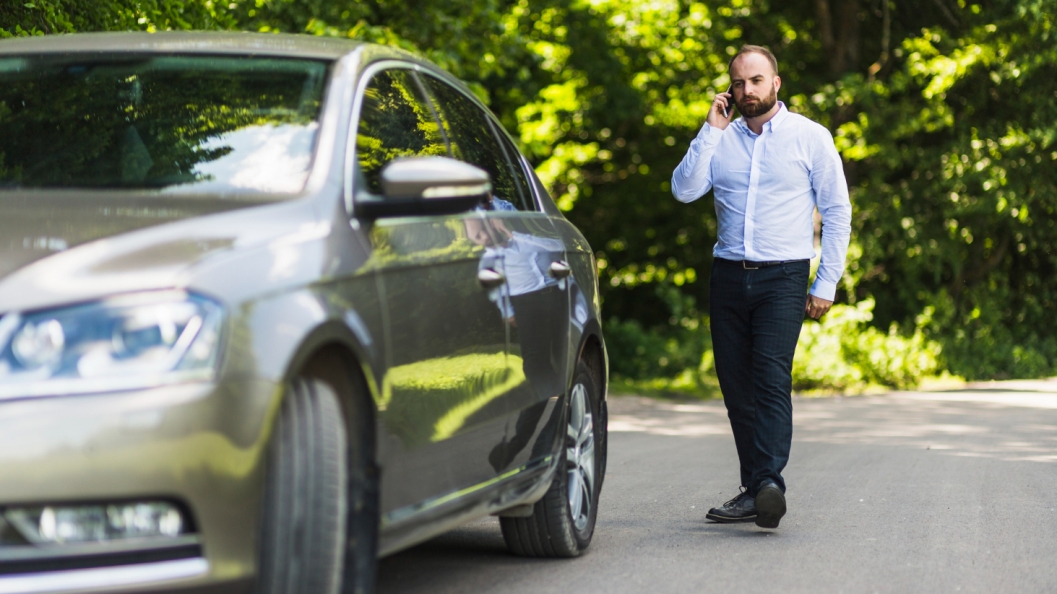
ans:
(777, 83)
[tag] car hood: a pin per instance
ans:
(65, 248)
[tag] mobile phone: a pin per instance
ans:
(726, 110)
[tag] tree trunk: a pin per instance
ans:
(839, 30)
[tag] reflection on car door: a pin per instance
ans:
(534, 302)
(446, 338)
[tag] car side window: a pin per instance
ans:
(474, 141)
(396, 120)
(517, 166)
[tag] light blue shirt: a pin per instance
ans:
(766, 189)
(520, 259)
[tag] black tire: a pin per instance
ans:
(315, 498)
(555, 529)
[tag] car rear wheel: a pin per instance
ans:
(313, 540)
(563, 521)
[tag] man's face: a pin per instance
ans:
(754, 84)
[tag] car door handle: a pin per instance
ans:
(560, 269)
(490, 278)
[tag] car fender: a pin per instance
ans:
(287, 330)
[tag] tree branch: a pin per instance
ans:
(947, 13)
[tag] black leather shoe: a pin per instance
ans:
(770, 505)
(740, 509)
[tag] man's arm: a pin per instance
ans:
(831, 197)
(692, 179)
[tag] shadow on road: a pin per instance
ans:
(464, 556)
(1015, 424)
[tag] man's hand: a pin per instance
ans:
(715, 118)
(816, 307)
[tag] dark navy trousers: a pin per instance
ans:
(756, 320)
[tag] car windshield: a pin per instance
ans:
(179, 124)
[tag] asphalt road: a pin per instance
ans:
(908, 492)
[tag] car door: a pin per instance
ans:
(446, 340)
(534, 301)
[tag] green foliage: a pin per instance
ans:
(39, 17)
(842, 353)
(658, 361)
(673, 359)
(945, 113)
(845, 353)
(958, 196)
(980, 343)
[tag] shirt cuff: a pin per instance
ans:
(824, 289)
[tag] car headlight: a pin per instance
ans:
(129, 342)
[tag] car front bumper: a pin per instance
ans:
(199, 446)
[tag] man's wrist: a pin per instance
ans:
(824, 289)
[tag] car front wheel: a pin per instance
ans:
(563, 521)
(311, 537)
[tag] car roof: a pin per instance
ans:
(184, 42)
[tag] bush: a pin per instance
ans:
(843, 352)
(664, 361)
(675, 358)
(980, 342)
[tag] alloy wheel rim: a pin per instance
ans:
(580, 457)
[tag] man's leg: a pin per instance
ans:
(777, 294)
(732, 348)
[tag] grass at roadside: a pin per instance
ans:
(704, 388)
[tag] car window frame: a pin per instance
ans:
(502, 137)
(351, 166)
(515, 161)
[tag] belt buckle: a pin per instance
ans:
(745, 265)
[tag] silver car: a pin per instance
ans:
(272, 307)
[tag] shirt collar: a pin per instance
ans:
(772, 123)
(779, 117)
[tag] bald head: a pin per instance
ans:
(747, 50)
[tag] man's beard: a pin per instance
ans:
(760, 107)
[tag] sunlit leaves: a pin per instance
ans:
(959, 143)
(956, 132)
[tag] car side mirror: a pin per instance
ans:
(420, 186)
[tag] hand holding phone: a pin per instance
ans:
(719, 115)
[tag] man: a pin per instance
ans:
(768, 170)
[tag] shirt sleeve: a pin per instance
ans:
(831, 198)
(537, 244)
(692, 179)
(500, 204)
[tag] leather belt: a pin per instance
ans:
(750, 265)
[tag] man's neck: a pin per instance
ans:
(756, 124)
